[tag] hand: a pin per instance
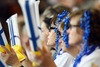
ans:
(9, 57)
(45, 58)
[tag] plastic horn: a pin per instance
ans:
(31, 16)
(14, 36)
(13, 30)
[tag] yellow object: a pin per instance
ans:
(20, 56)
(34, 64)
(7, 46)
(37, 53)
(1, 49)
(18, 50)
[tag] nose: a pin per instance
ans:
(60, 40)
(48, 35)
(68, 31)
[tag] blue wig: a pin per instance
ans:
(60, 18)
(64, 34)
(86, 48)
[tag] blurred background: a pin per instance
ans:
(10, 7)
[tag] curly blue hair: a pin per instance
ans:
(90, 23)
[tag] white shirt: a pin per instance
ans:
(92, 60)
(64, 60)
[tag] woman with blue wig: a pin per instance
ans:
(84, 29)
(66, 56)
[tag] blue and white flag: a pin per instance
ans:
(14, 36)
(31, 16)
(13, 30)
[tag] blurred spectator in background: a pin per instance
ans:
(42, 6)
(52, 2)
(97, 4)
(77, 4)
(71, 3)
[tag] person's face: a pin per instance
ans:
(74, 32)
(45, 32)
(51, 37)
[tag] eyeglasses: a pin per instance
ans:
(51, 28)
(39, 28)
(71, 26)
(57, 32)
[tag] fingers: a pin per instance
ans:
(12, 50)
(44, 49)
(6, 50)
(3, 54)
(40, 50)
(1, 49)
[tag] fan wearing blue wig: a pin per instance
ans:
(63, 58)
(67, 54)
(84, 29)
(47, 32)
